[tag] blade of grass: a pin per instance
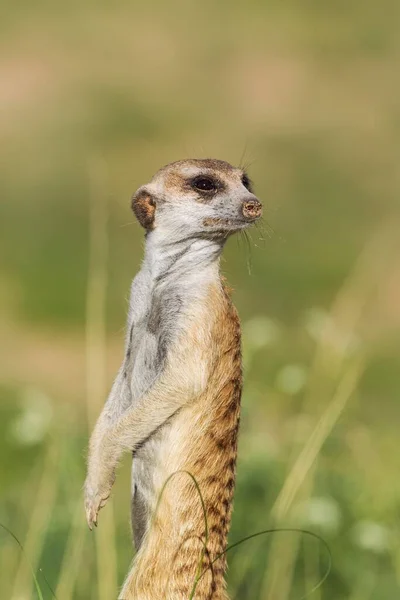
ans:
(285, 530)
(277, 582)
(244, 566)
(72, 558)
(38, 525)
(37, 586)
(311, 566)
(322, 430)
(199, 573)
(10, 555)
(350, 309)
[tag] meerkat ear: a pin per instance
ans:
(144, 207)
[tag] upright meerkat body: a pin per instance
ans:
(176, 400)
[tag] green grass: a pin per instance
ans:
(97, 98)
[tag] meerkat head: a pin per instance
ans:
(197, 197)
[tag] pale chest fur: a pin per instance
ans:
(202, 327)
(170, 321)
(163, 311)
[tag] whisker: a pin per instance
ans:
(248, 164)
(248, 251)
(260, 232)
(127, 224)
(241, 163)
(264, 227)
(238, 238)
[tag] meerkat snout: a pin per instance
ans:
(252, 209)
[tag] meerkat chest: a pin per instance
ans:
(160, 312)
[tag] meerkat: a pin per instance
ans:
(175, 403)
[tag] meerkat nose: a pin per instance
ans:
(251, 208)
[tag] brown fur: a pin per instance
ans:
(206, 446)
(175, 182)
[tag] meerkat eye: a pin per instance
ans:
(246, 182)
(204, 184)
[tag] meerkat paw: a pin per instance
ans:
(95, 498)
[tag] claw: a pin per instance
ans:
(97, 492)
(93, 504)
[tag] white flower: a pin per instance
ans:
(32, 424)
(322, 512)
(291, 379)
(372, 536)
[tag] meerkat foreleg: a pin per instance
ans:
(108, 443)
(117, 400)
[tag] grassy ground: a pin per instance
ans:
(94, 98)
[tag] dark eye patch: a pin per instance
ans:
(205, 184)
(247, 182)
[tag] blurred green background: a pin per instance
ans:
(94, 98)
